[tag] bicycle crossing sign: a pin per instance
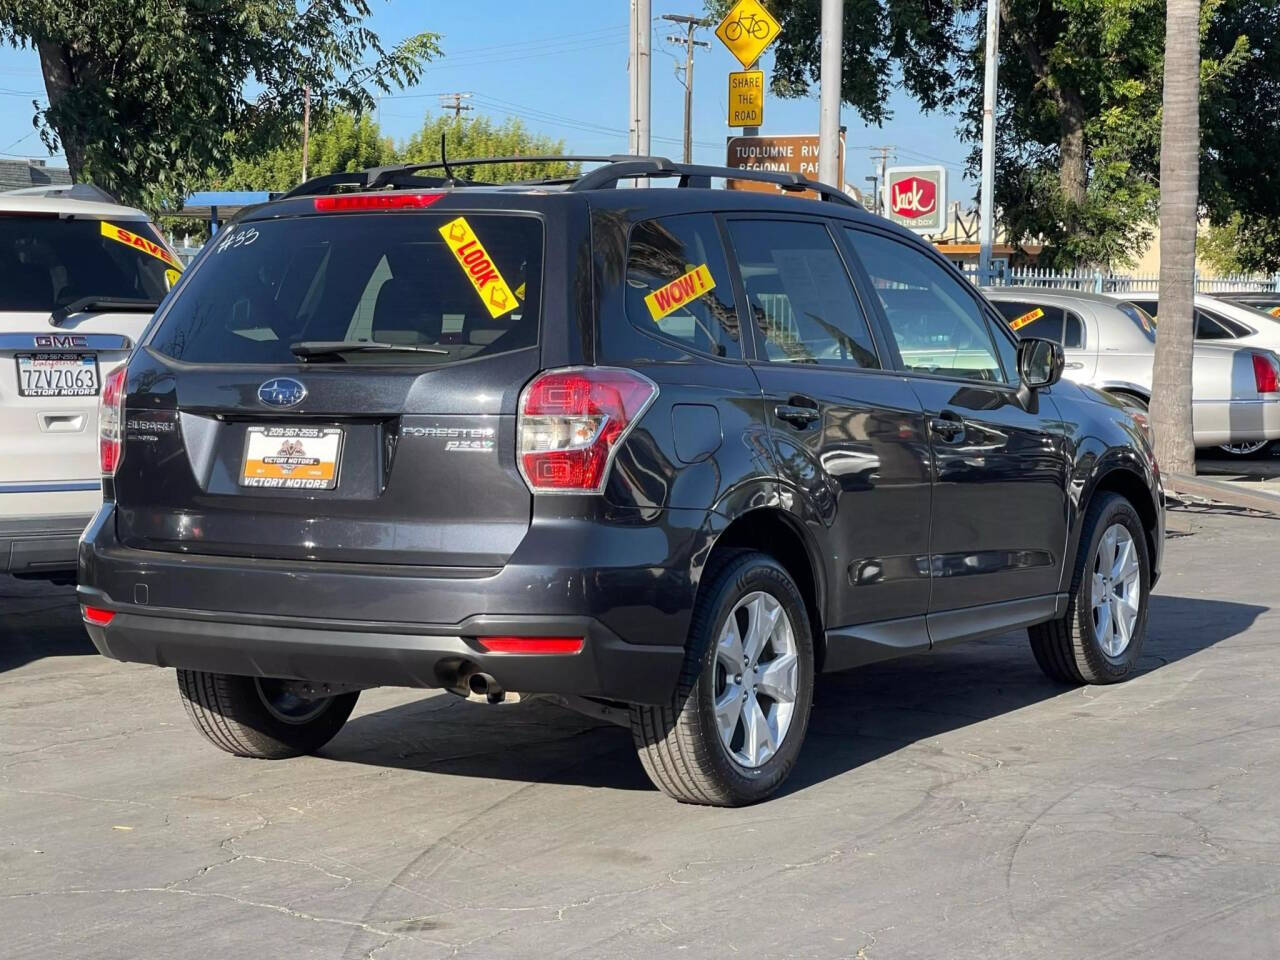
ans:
(746, 30)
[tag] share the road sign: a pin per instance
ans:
(746, 98)
(746, 30)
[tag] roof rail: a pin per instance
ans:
(67, 191)
(616, 167)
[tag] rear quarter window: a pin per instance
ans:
(677, 285)
(378, 278)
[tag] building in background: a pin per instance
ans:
(22, 174)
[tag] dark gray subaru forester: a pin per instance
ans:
(662, 453)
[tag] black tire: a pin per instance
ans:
(1068, 649)
(679, 744)
(232, 713)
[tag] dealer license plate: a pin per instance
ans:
(293, 458)
(57, 374)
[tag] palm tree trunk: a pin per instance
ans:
(1179, 194)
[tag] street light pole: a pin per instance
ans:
(639, 66)
(986, 221)
(830, 94)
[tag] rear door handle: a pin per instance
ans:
(1074, 365)
(795, 414)
(948, 429)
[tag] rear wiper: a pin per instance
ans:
(102, 305)
(311, 349)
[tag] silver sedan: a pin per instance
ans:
(1110, 344)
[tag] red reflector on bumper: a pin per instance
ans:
(97, 616)
(532, 644)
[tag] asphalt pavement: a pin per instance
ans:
(957, 805)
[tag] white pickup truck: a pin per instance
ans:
(80, 277)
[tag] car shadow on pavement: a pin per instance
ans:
(40, 620)
(858, 716)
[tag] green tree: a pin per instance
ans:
(146, 96)
(343, 141)
(1240, 137)
(1080, 101)
(481, 137)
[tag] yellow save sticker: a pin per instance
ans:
(129, 239)
(674, 295)
(1029, 317)
(479, 267)
(171, 277)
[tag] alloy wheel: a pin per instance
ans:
(283, 703)
(1243, 449)
(756, 677)
(1116, 594)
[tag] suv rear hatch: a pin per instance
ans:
(339, 386)
(54, 359)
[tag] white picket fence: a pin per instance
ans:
(1093, 281)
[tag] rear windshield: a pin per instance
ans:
(47, 262)
(463, 286)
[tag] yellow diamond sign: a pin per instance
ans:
(746, 30)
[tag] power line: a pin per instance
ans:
(691, 25)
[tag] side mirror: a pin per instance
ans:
(1040, 362)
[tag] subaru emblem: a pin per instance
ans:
(282, 392)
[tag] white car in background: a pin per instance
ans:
(1220, 321)
(80, 277)
(1110, 344)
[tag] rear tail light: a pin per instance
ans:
(111, 422)
(1266, 372)
(97, 616)
(376, 201)
(532, 644)
(573, 421)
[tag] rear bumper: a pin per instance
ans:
(369, 655)
(1236, 421)
(627, 588)
(40, 544)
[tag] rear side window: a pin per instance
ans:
(1032, 319)
(800, 296)
(1211, 326)
(1042, 321)
(462, 285)
(678, 284)
(47, 262)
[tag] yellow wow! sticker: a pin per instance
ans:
(129, 239)
(670, 298)
(479, 267)
(1029, 317)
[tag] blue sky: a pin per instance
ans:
(562, 70)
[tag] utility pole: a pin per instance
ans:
(830, 94)
(640, 67)
(306, 130)
(886, 154)
(986, 223)
(691, 24)
(453, 101)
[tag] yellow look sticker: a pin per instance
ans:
(121, 235)
(1029, 317)
(678, 292)
(479, 267)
